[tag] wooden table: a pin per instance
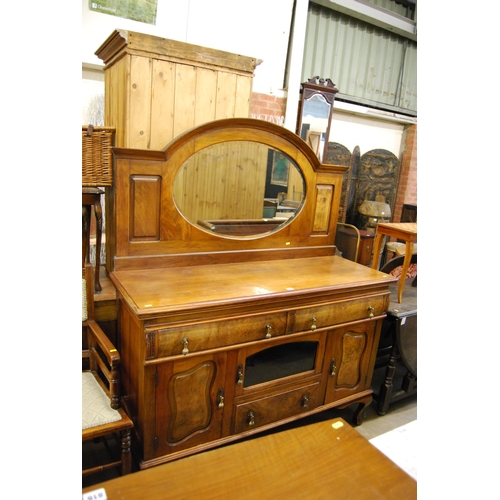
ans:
(406, 231)
(328, 459)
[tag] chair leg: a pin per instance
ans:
(98, 218)
(126, 458)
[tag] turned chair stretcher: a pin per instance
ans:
(102, 412)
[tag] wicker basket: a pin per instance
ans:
(97, 159)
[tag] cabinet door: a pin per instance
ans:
(349, 360)
(189, 402)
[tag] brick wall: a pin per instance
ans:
(268, 108)
(407, 189)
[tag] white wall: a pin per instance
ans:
(259, 29)
(92, 92)
(354, 130)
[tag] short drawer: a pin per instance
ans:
(195, 338)
(273, 408)
(336, 313)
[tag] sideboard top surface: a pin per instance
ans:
(168, 290)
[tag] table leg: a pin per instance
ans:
(404, 270)
(377, 244)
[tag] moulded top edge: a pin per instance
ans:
(124, 40)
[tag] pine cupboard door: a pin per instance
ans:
(189, 402)
(349, 360)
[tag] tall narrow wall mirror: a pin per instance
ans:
(239, 188)
(315, 114)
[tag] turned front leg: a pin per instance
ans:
(98, 239)
(385, 394)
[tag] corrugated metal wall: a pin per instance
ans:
(393, 7)
(363, 61)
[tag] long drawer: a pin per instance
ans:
(325, 315)
(198, 337)
(202, 336)
(274, 408)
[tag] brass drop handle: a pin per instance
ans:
(185, 349)
(268, 331)
(251, 418)
(371, 309)
(313, 326)
(239, 380)
(333, 368)
(305, 401)
(220, 398)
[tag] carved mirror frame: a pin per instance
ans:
(323, 91)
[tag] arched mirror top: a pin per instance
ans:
(161, 194)
(240, 178)
(242, 129)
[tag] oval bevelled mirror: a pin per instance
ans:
(239, 189)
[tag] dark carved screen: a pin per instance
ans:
(378, 177)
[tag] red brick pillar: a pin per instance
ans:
(407, 188)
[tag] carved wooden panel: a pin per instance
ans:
(348, 354)
(145, 197)
(378, 178)
(350, 206)
(349, 373)
(189, 400)
(186, 409)
(324, 200)
(338, 154)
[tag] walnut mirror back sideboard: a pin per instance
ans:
(233, 319)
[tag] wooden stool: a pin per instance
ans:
(91, 197)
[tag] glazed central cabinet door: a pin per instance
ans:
(348, 358)
(189, 402)
(278, 380)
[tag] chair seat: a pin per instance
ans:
(96, 409)
(392, 246)
(402, 249)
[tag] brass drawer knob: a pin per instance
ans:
(313, 326)
(333, 367)
(220, 398)
(305, 401)
(185, 349)
(371, 310)
(239, 380)
(268, 331)
(251, 418)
